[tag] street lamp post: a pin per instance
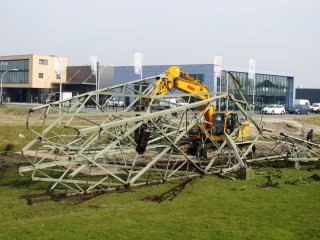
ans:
(100, 71)
(1, 97)
(60, 88)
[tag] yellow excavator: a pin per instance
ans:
(217, 123)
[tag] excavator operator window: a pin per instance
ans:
(229, 126)
(218, 125)
(231, 122)
(235, 120)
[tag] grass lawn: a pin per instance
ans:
(209, 208)
(12, 123)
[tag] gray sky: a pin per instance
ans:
(282, 35)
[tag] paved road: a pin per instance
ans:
(26, 105)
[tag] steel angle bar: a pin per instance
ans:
(295, 149)
(49, 179)
(245, 113)
(126, 134)
(233, 168)
(45, 165)
(107, 171)
(238, 87)
(41, 138)
(177, 170)
(154, 160)
(146, 116)
(45, 131)
(174, 169)
(97, 114)
(61, 177)
(270, 158)
(299, 139)
(173, 144)
(214, 158)
(249, 149)
(148, 166)
(97, 184)
(83, 182)
(46, 156)
(139, 96)
(220, 149)
(303, 159)
(233, 146)
(273, 148)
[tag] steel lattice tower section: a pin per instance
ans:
(82, 151)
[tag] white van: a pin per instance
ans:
(301, 102)
(53, 97)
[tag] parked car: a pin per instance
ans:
(273, 109)
(115, 102)
(315, 107)
(166, 103)
(300, 109)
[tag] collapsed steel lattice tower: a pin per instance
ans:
(83, 150)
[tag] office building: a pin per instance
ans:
(34, 78)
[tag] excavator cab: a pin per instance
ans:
(223, 122)
(218, 124)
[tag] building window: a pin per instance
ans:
(43, 61)
(40, 75)
(199, 77)
(15, 77)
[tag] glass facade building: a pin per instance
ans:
(34, 78)
(15, 77)
(269, 88)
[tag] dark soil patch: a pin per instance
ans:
(75, 199)
(315, 177)
(170, 194)
(292, 182)
(269, 184)
(12, 159)
(3, 166)
(291, 126)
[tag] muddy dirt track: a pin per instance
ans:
(295, 125)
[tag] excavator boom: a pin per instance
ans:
(174, 78)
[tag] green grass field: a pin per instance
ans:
(209, 208)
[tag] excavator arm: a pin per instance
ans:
(174, 78)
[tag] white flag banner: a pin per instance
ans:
(93, 63)
(138, 60)
(57, 67)
(252, 68)
(217, 66)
